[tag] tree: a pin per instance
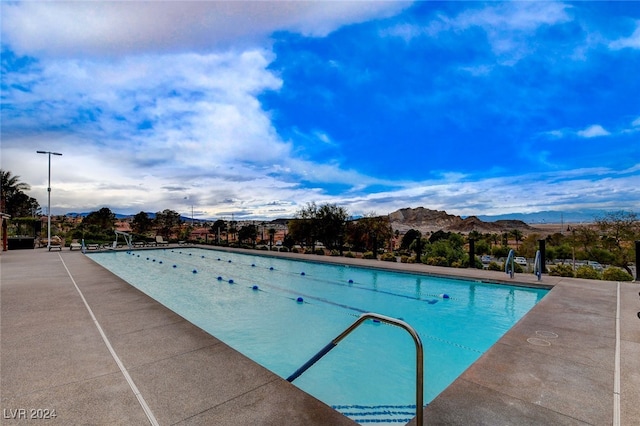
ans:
(517, 235)
(232, 229)
(141, 223)
(248, 232)
(408, 238)
(302, 232)
(167, 222)
(355, 235)
(13, 200)
(103, 219)
(620, 229)
(586, 237)
(417, 246)
(330, 221)
(475, 235)
(272, 234)
(439, 235)
(304, 228)
(218, 227)
(376, 229)
(22, 205)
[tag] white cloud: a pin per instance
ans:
(636, 122)
(115, 28)
(525, 193)
(593, 131)
(509, 26)
(205, 135)
(633, 41)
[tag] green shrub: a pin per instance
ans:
(561, 271)
(349, 255)
(388, 257)
(295, 250)
(588, 272)
(284, 250)
(437, 261)
(493, 266)
(404, 259)
(263, 248)
(335, 252)
(368, 255)
(320, 251)
(500, 251)
(308, 251)
(616, 274)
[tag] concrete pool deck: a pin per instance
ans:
(76, 339)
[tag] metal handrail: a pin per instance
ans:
(537, 265)
(389, 320)
(127, 239)
(509, 267)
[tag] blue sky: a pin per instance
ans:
(258, 108)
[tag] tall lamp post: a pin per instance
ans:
(49, 197)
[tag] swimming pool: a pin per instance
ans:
(280, 312)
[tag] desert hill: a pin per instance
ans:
(426, 220)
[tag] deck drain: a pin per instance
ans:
(538, 342)
(547, 334)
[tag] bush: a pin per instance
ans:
(308, 251)
(500, 251)
(263, 248)
(493, 266)
(368, 255)
(437, 261)
(335, 252)
(404, 259)
(349, 255)
(295, 250)
(561, 271)
(284, 250)
(320, 251)
(588, 272)
(388, 257)
(616, 274)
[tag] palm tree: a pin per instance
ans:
(10, 186)
(272, 233)
(517, 235)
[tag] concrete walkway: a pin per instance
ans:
(76, 339)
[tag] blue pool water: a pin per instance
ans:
(252, 303)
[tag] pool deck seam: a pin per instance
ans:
(123, 370)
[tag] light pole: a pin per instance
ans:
(187, 198)
(49, 197)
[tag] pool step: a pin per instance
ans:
(378, 414)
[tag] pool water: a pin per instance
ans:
(280, 312)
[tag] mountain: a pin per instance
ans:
(426, 220)
(549, 216)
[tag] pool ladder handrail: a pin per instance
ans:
(388, 320)
(537, 265)
(509, 266)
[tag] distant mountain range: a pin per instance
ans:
(426, 218)
(550, 216)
